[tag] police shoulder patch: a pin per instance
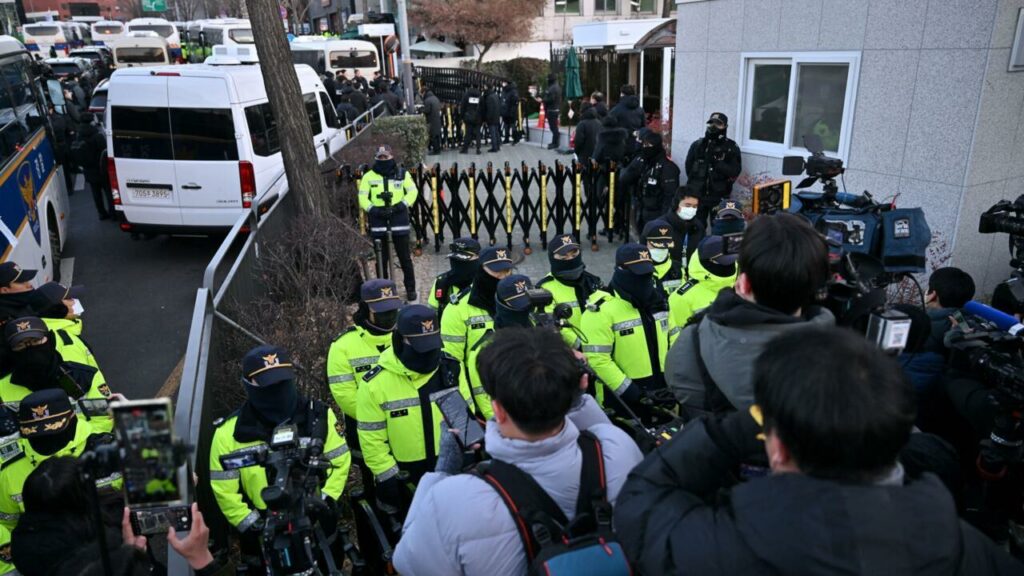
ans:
(686, 287)
(372, 373)
(346, 331)
(220, 421)
(595, 306)
(12, 460)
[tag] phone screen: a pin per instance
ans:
(149, 467)
(456, 416)
(93, 407)
(240, 459)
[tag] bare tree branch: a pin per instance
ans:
(482, 23)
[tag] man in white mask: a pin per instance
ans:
(685, 228)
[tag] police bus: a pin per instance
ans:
(34, 207)
(106, 31)
(41, 36)
(164, 28)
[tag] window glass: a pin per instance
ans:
(567, 6)
(820, 98)
(349, 59)
(604, 5)
(42, 30)
(262, 130)
(647, 5)
(139, 55)
(203, 134)
(109, 29)
(161, 29)
(67, 69)
(140, 132)
(313, 112)
(329, 113)
(769, 102)
(99, 99)
(242, 35)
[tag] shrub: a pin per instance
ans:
(410, 133)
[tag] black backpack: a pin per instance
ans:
(79, 152)
(553, 545)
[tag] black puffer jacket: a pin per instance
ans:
(628, 113)
(586, 136)
(790, 523)
(611, 142)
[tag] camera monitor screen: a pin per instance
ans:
(149, 464)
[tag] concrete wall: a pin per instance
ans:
(938, 119)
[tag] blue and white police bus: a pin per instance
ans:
(34, 207)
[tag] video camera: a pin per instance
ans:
(293, 540)
(1008, 218)
(993, 355)
(540, 299)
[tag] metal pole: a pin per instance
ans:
(640, 84)
(403, 37)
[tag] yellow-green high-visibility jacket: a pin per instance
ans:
(390, 403)
(469, 380)
(6, 560)
(403, 196)
(668, 278)
(463, 325)
(565, 294)
(351, 355)
(80, 364)
(70, 325)
(616, 345)
(696, 294)
(238, 491)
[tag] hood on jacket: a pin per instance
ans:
(696, 270)
(801, 525)
(589, 113)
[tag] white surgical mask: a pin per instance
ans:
(659, 255)
(687, 212)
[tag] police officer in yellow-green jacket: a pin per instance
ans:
(626, 329)
(710, 271)
(41, 358)
(61, 313)
(512, 309)
(467, 319)
(272, 399)
(464, 262)
(355, 352)
(386, 193)
(569, 283)
(398, 422)
(668, 273)
(49, 428)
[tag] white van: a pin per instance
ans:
(340, 55)
(193, 146)
(140, 49)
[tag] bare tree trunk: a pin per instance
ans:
(286, 101)
(666, 8)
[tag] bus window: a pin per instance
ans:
(139, 55)
(42, 30)
(109, 28)
(162, 29)
(354, 59)
(241, 35)
(140, 132)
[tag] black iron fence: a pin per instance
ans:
(448, 84)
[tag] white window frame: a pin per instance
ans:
(791, 145)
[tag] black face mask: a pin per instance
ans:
(639, 290)
(275, 403)
(383, 322)
(419, 362)
(484, 287)
(463, 272)
(649, 152)
(714, 133)
(567, 271)
(36, 367)
(386, 168)
(50, 445)
(506, 317)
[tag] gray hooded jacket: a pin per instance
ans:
(732, 334)
(459, 524)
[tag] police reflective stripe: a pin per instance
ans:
(675, 331)
(628, 324)
(16, 498)
(371, 426)
(12, 406)
(478, 319)
(671, 285)
(224, 474)
(450, 338)
(340, 378)
(387, 474)
(572, 304)
(661, 315)
(364, 361)
(478, 390)
(336, 452)
(107, 480)
(626, 382)
(6, 516)
(393, 228)
(597, 349)
(248, 521)
(398, 404)
(577, 343)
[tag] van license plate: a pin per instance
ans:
(151, 194)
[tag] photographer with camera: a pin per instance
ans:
(272, 399)
(712, 164)
(568, 282)
(545, 429)
(782, 265)
(49, 428)
(625, 327)
(837, 500)
(397, 421)
(386, 193)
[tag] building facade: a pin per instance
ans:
(915, 96)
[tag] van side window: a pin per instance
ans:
(141, 132)
(313, 111)
(18, 102)
(262, 130)
(329, 113)
(203, 134)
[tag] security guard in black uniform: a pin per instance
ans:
(464, 259)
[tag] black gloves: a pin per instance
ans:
(737, 435)
(390, 495)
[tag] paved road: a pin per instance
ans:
(140, 294)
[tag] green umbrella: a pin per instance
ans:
(573, 88)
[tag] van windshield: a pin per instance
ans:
(182, 134)
(42, 30)
(109, 29)
(354, 59)
(140, 55)
(161, 29)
